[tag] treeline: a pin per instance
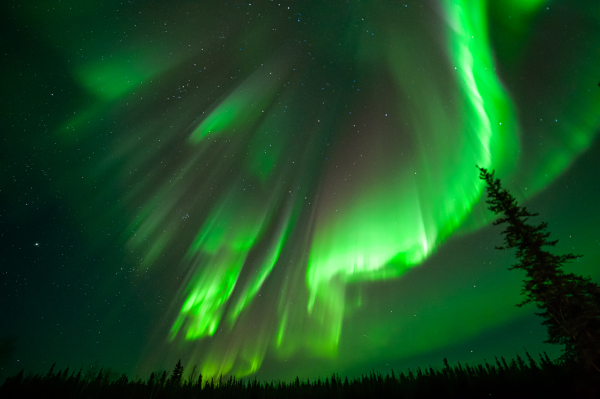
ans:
(515, 379)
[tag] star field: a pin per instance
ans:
(282, 189)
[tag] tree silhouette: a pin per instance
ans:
(539, 379)
(177, 374)
(569, 304)
(163, 379)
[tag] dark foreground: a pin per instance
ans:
(514, 379)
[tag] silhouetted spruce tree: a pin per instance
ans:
(177, 374)
(199, 382)
(569, 304)
(163, 379)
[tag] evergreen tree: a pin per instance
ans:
(50, 372)
(177, 374)
(163, 379)
(199, 382)
(151, 380)
(569, 304)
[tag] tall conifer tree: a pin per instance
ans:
(177, 374)
(569, 304)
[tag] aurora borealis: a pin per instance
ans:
(282, 189)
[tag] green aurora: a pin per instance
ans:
(293, 166)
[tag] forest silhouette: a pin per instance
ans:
(517, 378)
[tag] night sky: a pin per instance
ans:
(278, 189)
